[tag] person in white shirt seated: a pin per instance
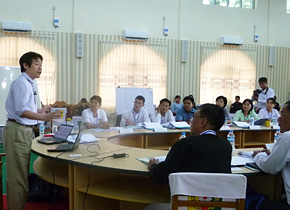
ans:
(162, 114)
(269, 112)
(136, 115)
(94, 117)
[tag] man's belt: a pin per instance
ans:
(12, 120)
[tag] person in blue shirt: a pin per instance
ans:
(176, 105)
(186, 111)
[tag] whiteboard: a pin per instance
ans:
(125, 98)
(7, 75)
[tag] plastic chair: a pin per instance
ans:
(1, 187)
(206, 189)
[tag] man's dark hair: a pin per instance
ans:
(288, 107)
(165, 100)
(140, 98)
(28, 58)
(238, 97)
(225, 100)
(177, 96)
(263, 79)
(188, 98)
(214, 114)
(97, 98)
(251, 102)
(84, 100)
(272, 99)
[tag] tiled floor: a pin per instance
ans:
(32, 159)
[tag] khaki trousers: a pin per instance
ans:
(17, 145)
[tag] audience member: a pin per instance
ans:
(269, 112)
(191, 96)
(203, 151)
(278, 160)
(136, 115)
(236, 106)
(246, 113)
(94, 117)
(222, 102)
(22, 114)
(162, 114)
(176, 105)
(186, 111)
(81, 106)
(261, 95)
(277, 105)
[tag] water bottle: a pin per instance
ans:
(274, 121)
(41, 129)
(226, 122)
(183, 135)
(231, 139)
(252, 121)
(276, 135)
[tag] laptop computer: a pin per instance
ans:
(69, 146)
(59, 137)
(260, 122)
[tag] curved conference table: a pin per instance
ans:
(103, 182)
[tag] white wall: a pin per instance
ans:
(186, 19)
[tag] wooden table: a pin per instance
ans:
(119, 183)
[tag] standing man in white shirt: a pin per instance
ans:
(261, 95)
(162, 114)
(278, 160)
(22, 114)
(136, 115)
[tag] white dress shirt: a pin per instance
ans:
(278, 160)
(88, 116)
(140, 117)
(21, 98)
(263, 96)
(157, 117)
(264, 114)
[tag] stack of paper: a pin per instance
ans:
(152, 125)
(181, 125)
(86, 138)
(241, 124)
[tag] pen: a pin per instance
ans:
(248, 167)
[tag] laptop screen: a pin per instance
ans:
(63, 131)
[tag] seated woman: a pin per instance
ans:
(95, 117)
(162, 114)
(269, 112)
(222, 101)
(246, 113)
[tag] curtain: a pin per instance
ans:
(227, 71)
(131, 64)
(13, 46)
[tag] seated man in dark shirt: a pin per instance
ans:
(203, 151)
(236, 106)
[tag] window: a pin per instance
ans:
(246, 4)
(288, 6)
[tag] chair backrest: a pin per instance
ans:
(207, 187)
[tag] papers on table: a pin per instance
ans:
(225, 128)
(269, 146)
(240, 160)
(126, 130)
(146, 159)
(181, 125)
(241, 124)
(86, 138)
(152, 125)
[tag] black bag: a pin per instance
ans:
(40, 190)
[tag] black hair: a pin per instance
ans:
(214, 114)
(28, 58)
(165, 100)
(188, 98)
(288, 107)
(225, 100)
(84, 100)
(238, 97)
(272, 99)
(97, 98)
(140, 98)
(250, 101)
(263, 79)
(177, 96)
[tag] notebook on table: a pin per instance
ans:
(67, 147)
(59, 137)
